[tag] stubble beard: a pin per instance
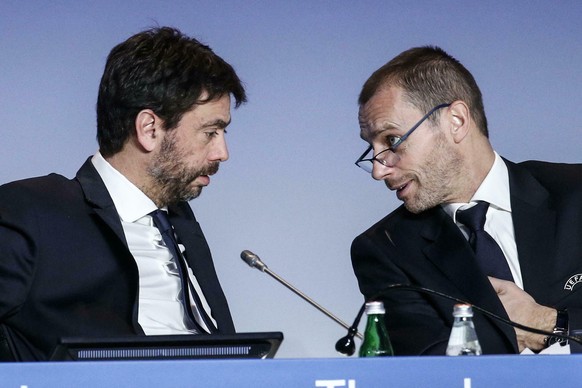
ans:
(172, 180)
(436, 179)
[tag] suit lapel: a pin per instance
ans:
(534, 224)
(103, 208)
(200, 261)
(450, 252)
(190, 235)
(197, 252)
(98, 197)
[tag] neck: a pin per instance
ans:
(480, 162)
(133, 167)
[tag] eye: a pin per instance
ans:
(214, 133)
(391, 141)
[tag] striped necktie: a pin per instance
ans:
(163, 224)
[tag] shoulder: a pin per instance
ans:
(557, 178)
(32, 187)
(386, 222)
(554, 172)
(557, 185)
(50, 191)
(400, 231)
(403, 221)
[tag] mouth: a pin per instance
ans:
(204, 177)
(211, 170)
(203, 180)
(401, 189)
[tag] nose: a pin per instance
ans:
(220, 150)
(379, 171)
(383, 165)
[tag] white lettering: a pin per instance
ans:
(330, 383)
(570, 283)
(335, 383)
(467, 382)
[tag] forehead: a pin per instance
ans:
(214, 111)
(387, 109)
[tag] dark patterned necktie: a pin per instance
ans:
(489, 255)
(163, 224)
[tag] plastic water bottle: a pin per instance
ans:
(463, 340)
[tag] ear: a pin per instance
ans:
(148, 128)
(459, 118)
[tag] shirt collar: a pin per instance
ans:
(130, 202)
(494, 189)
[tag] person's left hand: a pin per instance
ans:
(523, 309)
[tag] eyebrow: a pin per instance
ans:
(378, 132)
(216, 123)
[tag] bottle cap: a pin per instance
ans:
(375, 308)
(462, 311)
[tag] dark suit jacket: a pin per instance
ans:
(65, 267)
(429, 250)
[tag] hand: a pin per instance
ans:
(523, 309)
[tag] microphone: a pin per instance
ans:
(425, 290)
(348, 344)
(253, 260)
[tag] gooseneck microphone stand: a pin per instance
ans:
(255, 262)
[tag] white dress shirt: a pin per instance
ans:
(499, 224)
(160, 310)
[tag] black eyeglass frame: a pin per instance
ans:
(393, 147)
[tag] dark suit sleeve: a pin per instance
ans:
(16, 265)
(414, 325)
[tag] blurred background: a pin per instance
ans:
(290, 191)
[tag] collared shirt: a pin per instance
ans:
(160, 310)
(498, 223)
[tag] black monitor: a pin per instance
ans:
(162, 347)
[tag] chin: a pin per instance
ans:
(415, 207)
(412, 209)
(193, 194)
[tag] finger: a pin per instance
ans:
(497, 284)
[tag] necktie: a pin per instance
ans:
(489, 255)
(163, 224)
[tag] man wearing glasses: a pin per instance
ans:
(503, 236)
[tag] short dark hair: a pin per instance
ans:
(429, 76)
(163, 70)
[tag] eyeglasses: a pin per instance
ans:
(367, 164)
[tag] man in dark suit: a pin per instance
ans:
(422, 114)
(87, 257)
